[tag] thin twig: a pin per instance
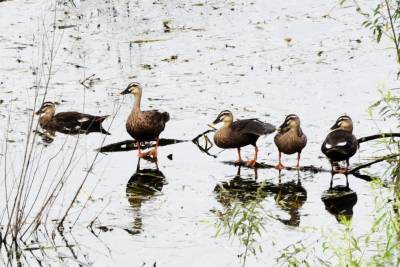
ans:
(366, 165)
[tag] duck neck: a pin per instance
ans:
(46, 117)
(299, 131)
(227, 124)
(136, 103)
(349, 129)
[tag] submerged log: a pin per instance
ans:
(261, 165)
(314, 169)
(129, 145)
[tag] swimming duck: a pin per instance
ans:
(68, 122)
(144, 126)
(290, 139)
(340, 144)
(240, 133)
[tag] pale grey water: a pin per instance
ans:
(230, 56)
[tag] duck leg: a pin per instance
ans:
(239, 160)
(154, 152)
(346, 169)
(140, 154)
(347, 166)
(280, 165)
(298, 161)
(252, 163)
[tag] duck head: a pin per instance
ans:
(47, 108)
(291, 121)
(225, 116)
(133, 88)
(343, 123)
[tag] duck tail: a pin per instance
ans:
(165, 116)
(269, 128)
(104, 131)
(102, 118)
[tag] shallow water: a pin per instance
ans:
(230, 55)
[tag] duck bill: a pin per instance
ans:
(335, 126)
(283, 126)
(125, 92)
(212, 125)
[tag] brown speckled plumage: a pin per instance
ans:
(69, 122)
(290, 142)
(147, 125)
(240, 133)
(290, 138)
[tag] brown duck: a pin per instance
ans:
(68, 122)
(290, 139)
(144, 126)
(240, 133)
(340, 144)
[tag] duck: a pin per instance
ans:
(70, 122)
(340, 144)
(240, 133)
(144, 126)
(290, 139)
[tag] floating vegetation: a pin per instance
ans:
(64, 202)
(147, 41)
(166, 26)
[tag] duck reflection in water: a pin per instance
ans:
(142, 186)
(290, 197)
(238, 189)
(339, 200)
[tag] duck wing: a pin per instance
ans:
(253, 126)
(155, 116)
(152, 122)
(340, 142)
(75, 121)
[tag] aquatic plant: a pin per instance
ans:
(377, 246)
(244, 221)
(34, 180)
(382, 20)
(388, 108)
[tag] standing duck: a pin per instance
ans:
(340, 144)
(144, 126)
(290, 139)
(68, 122)
(240, 133)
